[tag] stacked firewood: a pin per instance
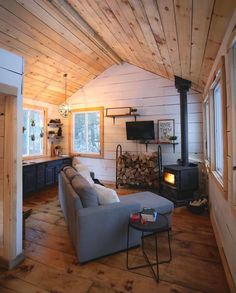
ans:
(140, 170)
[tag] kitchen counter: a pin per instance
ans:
(42, 172)
(42, 160)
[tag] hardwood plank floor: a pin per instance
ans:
(51, 264)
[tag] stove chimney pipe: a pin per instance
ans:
(183, 85)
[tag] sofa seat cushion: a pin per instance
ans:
(150, 200)
(85, 191)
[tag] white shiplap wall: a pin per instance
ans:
(154, 97)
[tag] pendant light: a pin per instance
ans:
(64, 108)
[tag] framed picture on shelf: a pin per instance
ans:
(165, 129)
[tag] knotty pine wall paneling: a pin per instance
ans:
(223, 209)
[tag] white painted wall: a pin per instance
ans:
(154, 97)
(224, 210)
(11, 72)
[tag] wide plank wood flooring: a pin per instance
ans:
(51, 264)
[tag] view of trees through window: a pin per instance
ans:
(218, 129)
(33, 132)
(86, 132)
(207, 130)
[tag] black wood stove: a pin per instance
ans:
(181, 180)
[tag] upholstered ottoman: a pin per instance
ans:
(149, 199)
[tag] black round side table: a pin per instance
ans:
(153, 229)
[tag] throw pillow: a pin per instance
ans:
(75, 161)
(84, 171)
(85, 191)
(106, 195)
(70, 173)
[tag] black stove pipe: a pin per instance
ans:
(183, 86)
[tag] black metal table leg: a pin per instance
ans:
(148, 263)
(127, 249)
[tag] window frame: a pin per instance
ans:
(232, 75)
(45, 112)
(219, 78)
(207, 130)
(71, 143)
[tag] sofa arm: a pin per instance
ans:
(102, 230)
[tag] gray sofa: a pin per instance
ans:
(102, 230)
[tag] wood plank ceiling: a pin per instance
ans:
(85, 37)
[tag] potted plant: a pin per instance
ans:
(42, 132)
(173, 138)
(32, 122)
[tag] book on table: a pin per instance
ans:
(149, 214)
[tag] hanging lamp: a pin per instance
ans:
(64, 109)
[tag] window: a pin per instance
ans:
(87, 136)
(218, 129)
(207, 130)
(33, 132)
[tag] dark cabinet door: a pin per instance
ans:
(29, 179)
(57, 169)
(40, 176)
(49, 174)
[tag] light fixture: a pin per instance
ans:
(64, 108)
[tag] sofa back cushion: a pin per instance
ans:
(85, 191)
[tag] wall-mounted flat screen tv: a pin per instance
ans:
(140, 130)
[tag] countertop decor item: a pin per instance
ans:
(64, 108)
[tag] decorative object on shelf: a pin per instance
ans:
(51, 132)
(42, 132)
(55, 121)
(54, 133)
(52, 150)
(59, 132)
(133, 111)
(58, 150)
(32, 136)
(64, 108)
(121, 112)
(173, 138)
(32, 122)
(166, 129)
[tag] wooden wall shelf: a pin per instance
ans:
(55, 125)
(124, 115)
(158, 143)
